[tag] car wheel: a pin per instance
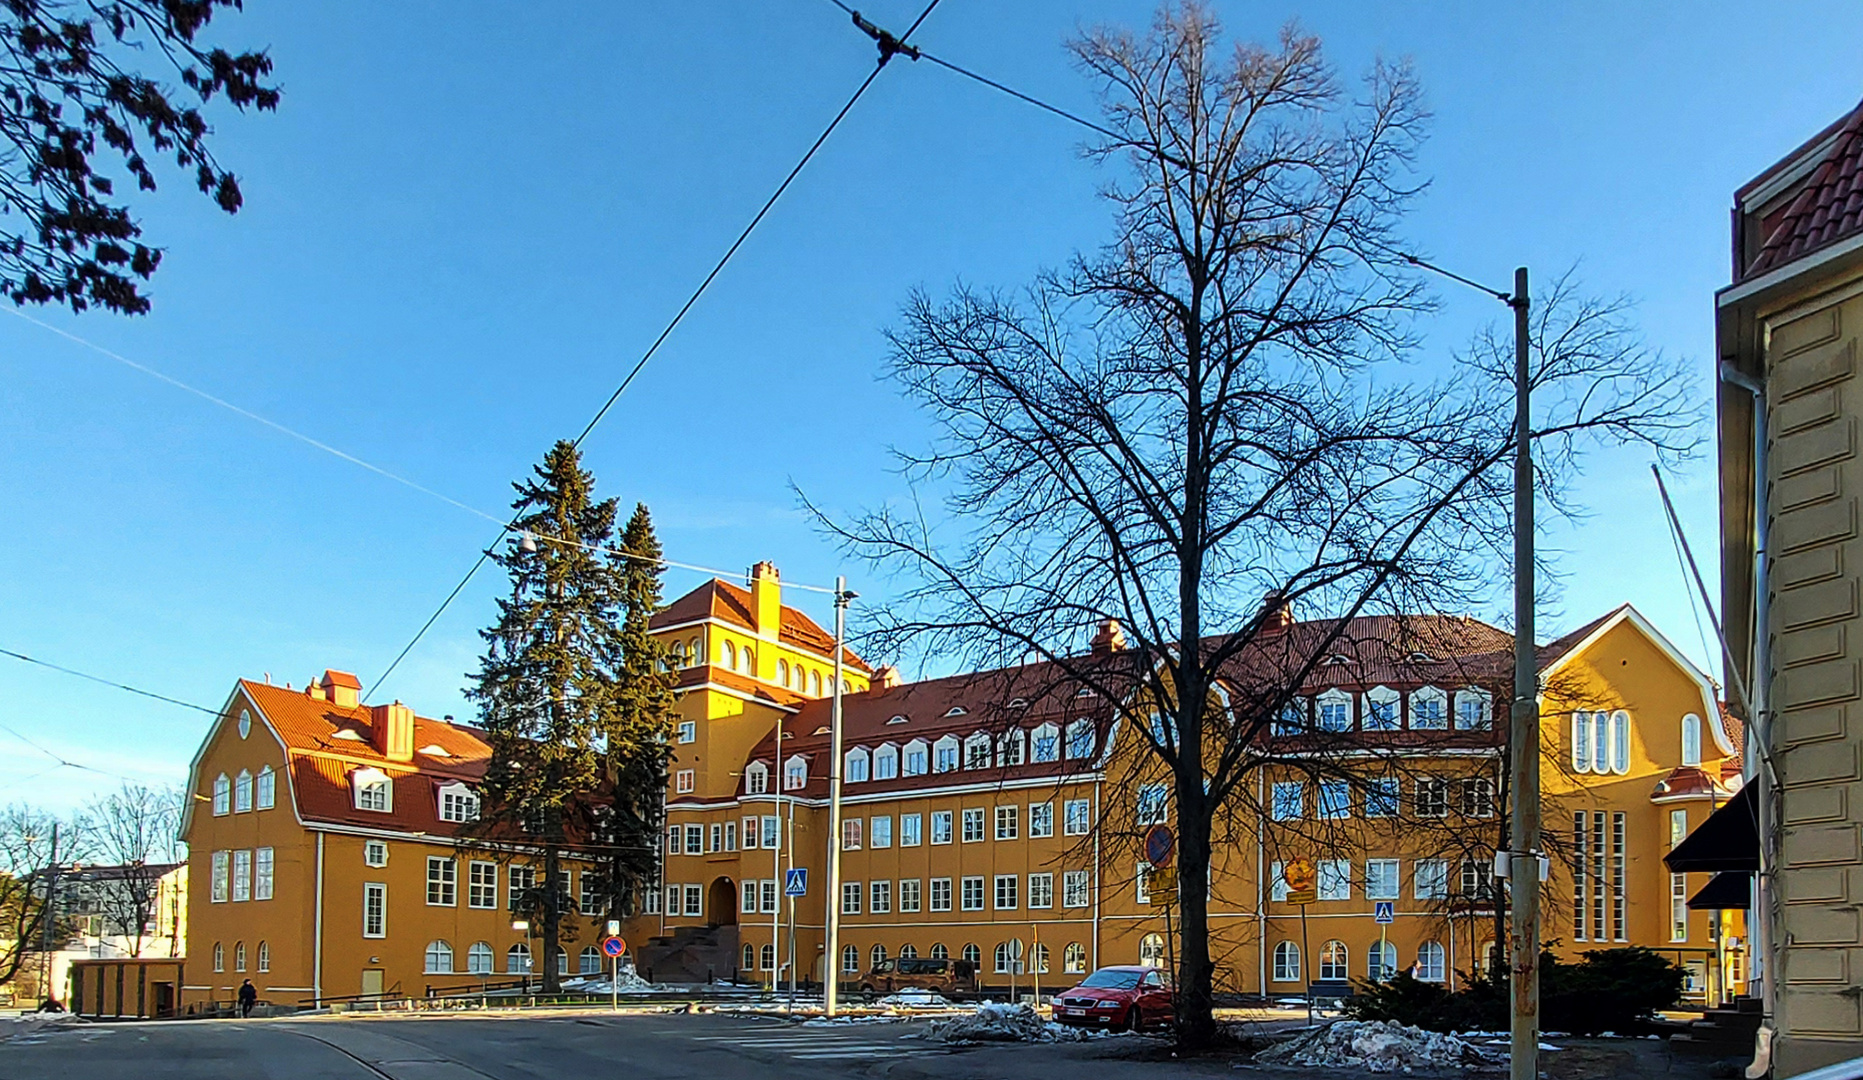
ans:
(1135, 1020)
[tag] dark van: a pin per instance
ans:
(952, 978)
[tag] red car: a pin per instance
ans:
(1134, 998)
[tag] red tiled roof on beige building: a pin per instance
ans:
(1827, 208)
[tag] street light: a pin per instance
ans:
(831, 963)
(529, 960)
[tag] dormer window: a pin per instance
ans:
(917, 761)
(1046, 744)
(435, 750)
(458, 803)
(242, 793)
(756, 778)
(1335, 707)
(854, 766)
(955, 710)
(977, 751)
(1010, 749)
(1429, 709)
(902, 719)
(886, 762)
(1474, 710)
(222, 795)
(823, 730)
(1085, 691)
(346, 733)
(795, 773)
(1339, 658)
(1420, 658)
(944, 754)
(374, 790)
(1080, 739)
(1018, 703)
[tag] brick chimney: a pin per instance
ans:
(1110, 638)
(1276, 615)
(766, 600)
(391, 729)
(343, 689)
(886, 677)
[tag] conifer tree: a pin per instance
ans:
(547, 680)
(637, 727)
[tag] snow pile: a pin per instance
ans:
(1377, 1045)
(630, 982)
(1005, 1023)
(30, 1027)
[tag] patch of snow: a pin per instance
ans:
(628, 983)
(1377, 1046)
(992, 1022)
(33, 1026)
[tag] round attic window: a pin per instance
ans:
(245, 723)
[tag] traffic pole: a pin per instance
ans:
(1524, 731)
(831, 963)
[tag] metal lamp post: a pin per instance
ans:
(831, 899)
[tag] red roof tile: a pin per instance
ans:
(726, 602)
(1828, 208)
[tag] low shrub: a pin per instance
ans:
(1606, 990)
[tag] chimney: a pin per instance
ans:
(391, 729)
(343, 689)
(1110, 638)
(313, 689)
(887, 677)
(766, 601)
(1276, 616)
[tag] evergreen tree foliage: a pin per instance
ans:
(546, 684)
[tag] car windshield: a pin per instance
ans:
(1112, 979)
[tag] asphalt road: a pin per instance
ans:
(589, 1046)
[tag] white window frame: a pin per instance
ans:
(1429, 695)
(242, 792)
(947, 754)
(1041, 891)
(911, 896)
(1008, 823)
(1483, 702)
(458, 803)
(1076, 889)
(242, 875)
(1041, 820)
(915, 760)
(1045, 744)
(1333, 711)
(855, 766)
(1384, 879)
(1286, 962)
(1432, 879)
(222, 876)
(222, 795)
(264, 867)
(375, 853)
(1383, 699)
(368, 784)
(880, 831)
(977, 751)
(911, 830)
(482, 884)
(374, 909)
(1077, 817)
(971, 896)
(684, 781)
(687, 731)
(1334, 880)
(1288, 800)
(442, 881)
(886, 762)
(1008, 892)
(941, 894)
(941, 826)
(973, 825)
(795, 773)
(265, 794)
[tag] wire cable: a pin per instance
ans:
(106, 682)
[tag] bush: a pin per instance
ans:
(1607, 990)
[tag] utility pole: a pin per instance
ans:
(831, 963)
(782, 880)
(47, 918)
(1524, 730)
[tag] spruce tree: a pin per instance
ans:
(637, 728)
(546, 683)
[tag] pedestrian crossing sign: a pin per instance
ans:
(1385, 912)
(796, 882)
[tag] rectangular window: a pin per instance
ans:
(1678, 907)
(222, 860)
(771, 827)
(717, 837)
(909, 896)
(1432, 879)
(1335, 799)
(750, 833)
(442, 882)
(1381, 797)
(880, 832)
(1335, 879)
(683, 782)
(458, 804)
(1153, 804)
(373, 795)
(1618, 822)
(374, 910)
(1079, 817)
(977, 754)
(941, 826)
(1580, 861)
(915, 760)
(973, 825)
(1477, 797)
(1289, 801)
(1008, 822)
(946, 759)
(695, 901)
(268, 788)
(1380, 711)
(730, 836)
(850, 834)
(374, 853)
(242, 876)
(520, 880)
(1277, 884)
(1678, 826)
(1381, 879)
(688, 731)
(588, 894)
(481, 884)
(1432, 798)
(1141, 885)
(673, 895)
(1074, 892)
(850, 898)
(1008, 886)
(1041, 820)
(769, 897)
(674, 844)
(1475, 874)
(653, 901)
(941, 894)
(262, 874)
(972, 895)
(695, 839)
(1041, 890)
(909, 826)
(748, 893)
(880, 897)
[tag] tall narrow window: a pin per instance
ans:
(222, 795)
(242, 875)
(222, 860)
(262, 874)
(1617, 876)
(374, 910)
(1691, 739)
(1580, 857)
(1678, 907)
(267, 789)
(242, 792)
(1620, 742)
(1581, 742)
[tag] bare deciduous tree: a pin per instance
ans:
(134, 831)
(25, 852)
(1208, 411)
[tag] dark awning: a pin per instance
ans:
(1730, 890)
(1728, 840)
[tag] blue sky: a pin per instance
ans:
(467, 220)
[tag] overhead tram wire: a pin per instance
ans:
(888, 47)
(63, 762)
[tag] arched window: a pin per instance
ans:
(878, 955)
(977, 751)
(517, 959)
(750, 957)
(815, 683)
(1620, 742)
(756, 778)
(1474, 709)
(850, 960)
(750, 662)
(1074, 958)
(854, 766)
(1008, 954)
(1287, 962)
(562, 960)
(1581, 742)
(1151, 950)
(222, 795)
(973, 955)
(1382, 706)
(766, 958)
(908, 952)
(1691, 739)
(265, 956)
(479, 959)
(886, 762)
(917, 759)
(1046, 745)
(589, 961)
(1600, 742)
(242, 792)
(1080, 739)
(219, 957)
(698, 652)
(782, 672)
(938, 952)
(239, 956)
(267, 789)
(1429, 709)
(1381, 962)
(439, 958)
(1011, 749)
(677, 657)
(795, 773)
(1335, 709)
(1335, 962)
(1430, 961)
(727, 653)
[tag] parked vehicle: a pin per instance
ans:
(1134, 998)
(952, 978)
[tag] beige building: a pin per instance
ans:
(1788, 332)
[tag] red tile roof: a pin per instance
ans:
(1828, 208)
(720, 599)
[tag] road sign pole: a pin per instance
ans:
(1306, 959)
(614, 986)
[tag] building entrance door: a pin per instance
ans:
(372, 981)
(164, 1000)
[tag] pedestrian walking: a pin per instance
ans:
(248, 997)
